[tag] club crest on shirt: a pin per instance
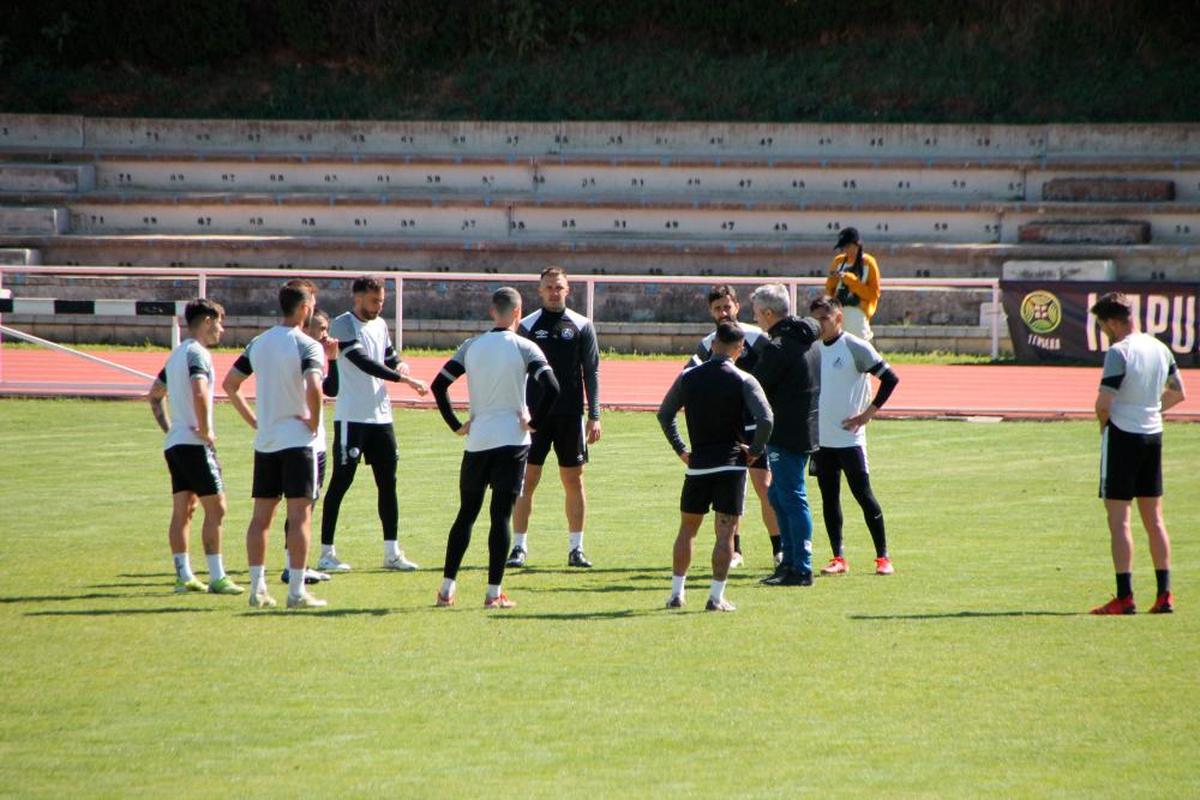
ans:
(837, 362)
(567, 334)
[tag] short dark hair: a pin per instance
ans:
(724, 290)
(318, 314)
(292, 297)
(367, 283)
(730, 333)
(829, 304)
(303, 283)
(553, 272)
(200, 309)
(505, 299)
(1113, 305)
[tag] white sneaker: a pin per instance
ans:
(305, 600)
(736, 561)
(331, 563)
(778, 558)
(311, 575)
(400, 563)
(261, 600)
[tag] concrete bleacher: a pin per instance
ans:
(613, 198)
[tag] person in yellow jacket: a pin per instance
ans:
(854, 281)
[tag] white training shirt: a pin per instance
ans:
(497, 363)
(845, 389)
(361, 397)
(1141, 364)
(281, 358)
(188, 362)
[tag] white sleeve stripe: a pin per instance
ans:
(540, 371)
(357, 345)
(446, 374)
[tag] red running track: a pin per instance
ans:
(924, 390)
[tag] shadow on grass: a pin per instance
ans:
(150, 574)
(131, 585)
(608, 587)
(62, 598)
(328, 612)
(576, 615)
(118, 612)
(630, 571)
(967, 615)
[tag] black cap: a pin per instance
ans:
(847, 236)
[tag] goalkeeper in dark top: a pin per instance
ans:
(568, 341)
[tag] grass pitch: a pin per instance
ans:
(973, 671)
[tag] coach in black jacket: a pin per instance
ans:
(788, 370)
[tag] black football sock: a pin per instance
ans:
(1124, 585)
(776, 545)
(1163, 577)
(737, 543)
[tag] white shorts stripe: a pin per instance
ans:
(1103, 460)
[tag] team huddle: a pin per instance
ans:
(758, 400)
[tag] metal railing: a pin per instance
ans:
(589, 283)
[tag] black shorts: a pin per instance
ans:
(1130, 464)
(834, 460)
(500, 468)
(566, 435)
(194, 468)
(373, 441)
(291, 472)
(725, 491)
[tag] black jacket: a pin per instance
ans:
(789, 370)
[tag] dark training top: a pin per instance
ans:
(790, 373)
(569, 341)
(716, 398)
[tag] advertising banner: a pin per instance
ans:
(1050, 323)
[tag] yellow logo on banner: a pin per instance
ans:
(1041, 311)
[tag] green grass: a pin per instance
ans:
(971, 672)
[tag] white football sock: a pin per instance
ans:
(576, 538)
(258, 579)
(328, 550)
(717, 591)
(391, 549)
(493, 591)
(678, 585)
(519, 541)
(183, 566)
(296, 582)
(448, 587)
(216, 567)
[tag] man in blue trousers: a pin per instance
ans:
(788, 370)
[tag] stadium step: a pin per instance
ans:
(19, 177)
(592, 255)
(1109, 190)
(1086, 232)
(32, 221)
(18, 257)
(471, 220)
(846, 180)
(755, 140)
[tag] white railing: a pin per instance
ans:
(590, 282)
